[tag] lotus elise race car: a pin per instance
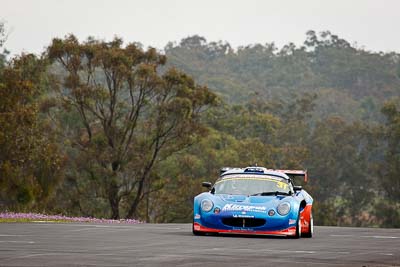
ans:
(254, 200)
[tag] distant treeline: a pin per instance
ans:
(103, 129)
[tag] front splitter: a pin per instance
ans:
(291, 231)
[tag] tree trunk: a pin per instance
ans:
(114, 200)
(136, 201)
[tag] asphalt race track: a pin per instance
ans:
(55, 244)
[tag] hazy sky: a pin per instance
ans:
(33, 23)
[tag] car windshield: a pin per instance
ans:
(252, 185)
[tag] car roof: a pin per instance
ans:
(252, 171)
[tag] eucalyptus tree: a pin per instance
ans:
(3, 38)
(29, 157)
(390, 171)
(132, 114)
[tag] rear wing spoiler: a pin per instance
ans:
(295, 173)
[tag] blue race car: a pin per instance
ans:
(254, 200)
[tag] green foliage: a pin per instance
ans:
(339, 154)
(323, 102)
(3, 38)
(338, 72)
(130, 117)
(139, 136)
(29, 158)
(391, 166)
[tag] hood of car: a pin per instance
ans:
(249, 199)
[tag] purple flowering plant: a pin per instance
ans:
(37, 217)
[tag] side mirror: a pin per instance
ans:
(297, 188)
(206, 184)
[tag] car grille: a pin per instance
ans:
(243, 222)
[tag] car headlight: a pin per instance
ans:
(206, 205)
(283, 208)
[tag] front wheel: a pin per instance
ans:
(298, 228)
(310, 228)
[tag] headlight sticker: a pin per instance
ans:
(206, 205)
(283, 208)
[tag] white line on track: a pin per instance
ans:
(82, 229)
(368, 236)
(116, 226)
(310, 263)
(12, 241)
(265, 250)
(380, 236)
(303, 251)
(12, 235)
(42, 254)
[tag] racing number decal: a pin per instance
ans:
(281, 185)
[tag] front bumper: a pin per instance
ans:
(253, 223)
(290, 231)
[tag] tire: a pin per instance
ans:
(310, 228)
(298, 229)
